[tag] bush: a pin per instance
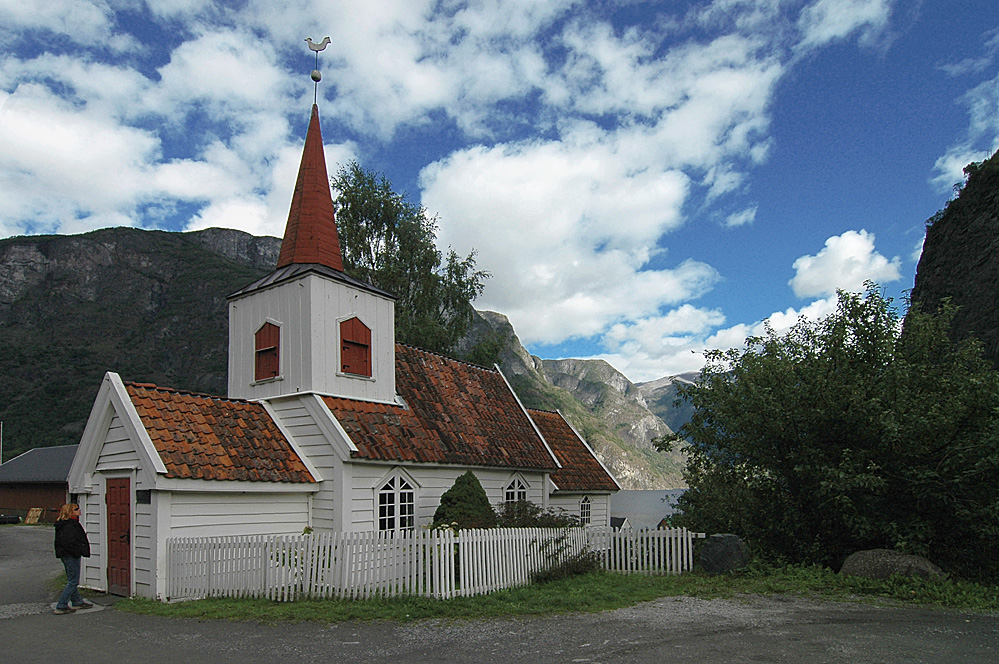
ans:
(525, 514)
(465, 505)
(848, 434)
(583, 562)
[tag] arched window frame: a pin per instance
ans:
(585, 511)
(267, 352)
(355, 347)
(395, 503)
(516, 490)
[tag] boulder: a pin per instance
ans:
(723, 553)
(883, 563)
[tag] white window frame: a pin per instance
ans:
(395, 503)
(585, 511)
(516, 490)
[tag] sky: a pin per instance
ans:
(642, 180)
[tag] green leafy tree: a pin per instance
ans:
(846, 434)
(390, 243)
(465, 504)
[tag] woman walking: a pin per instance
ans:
(71, 544)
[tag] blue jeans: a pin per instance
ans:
(71, 593)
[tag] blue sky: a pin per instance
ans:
(644, 180)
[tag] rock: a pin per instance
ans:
(723, 553)
(883, 563)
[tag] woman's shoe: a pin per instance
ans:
(85, 604)
(63, 610)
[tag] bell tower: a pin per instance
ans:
(309, 326)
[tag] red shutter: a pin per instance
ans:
(355, 347)
(267, 341)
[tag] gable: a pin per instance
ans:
(581, 470)
(454, 413)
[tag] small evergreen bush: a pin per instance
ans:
(465, 505)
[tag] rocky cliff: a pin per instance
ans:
(960, 258)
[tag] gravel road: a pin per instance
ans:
(745, 629)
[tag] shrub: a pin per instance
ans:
(583, 562)
(525, 514)
(465, 505)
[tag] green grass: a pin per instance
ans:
(598, 591)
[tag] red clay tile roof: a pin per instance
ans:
(310, 235)
(457, 413)
(580, 469)
(211, 438)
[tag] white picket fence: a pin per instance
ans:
(644, 551)
(438, 564)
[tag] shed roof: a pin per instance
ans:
(213, 438)
(40, 465)
(581, 471)
(455, 413)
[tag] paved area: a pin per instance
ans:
(750, 629)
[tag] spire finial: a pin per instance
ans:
(316, 75)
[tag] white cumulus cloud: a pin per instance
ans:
(845, 263)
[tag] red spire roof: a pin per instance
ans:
(310, 236)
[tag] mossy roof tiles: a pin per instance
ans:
(211, 438)
(455, 413)
(581, 471)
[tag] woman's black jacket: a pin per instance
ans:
(71, 539)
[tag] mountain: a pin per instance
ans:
(960, 258)
(151, 306)
(660, 395)
(147, 304)
(605, 407)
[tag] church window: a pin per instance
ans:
(355, 347)
(584, 511)
(516, 491)
(266, 344)
(396, 505)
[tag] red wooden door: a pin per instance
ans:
(118, 499)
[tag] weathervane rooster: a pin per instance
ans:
(316, 75)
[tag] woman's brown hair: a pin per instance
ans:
(66, 511)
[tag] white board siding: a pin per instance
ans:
(201, 514)
(431, 483)
(298, 421)
(599, 506)
(91, 574)
(143, 551)
(118, 451)
(309, 311)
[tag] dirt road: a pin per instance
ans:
(750, 629)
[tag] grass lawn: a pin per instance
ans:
(597, 591)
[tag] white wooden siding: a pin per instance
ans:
(202, 514)
(300, 423)
(118, 451)
(599, 506)
(143, 551)
(309, 311)
(91, 574)
(431, 483)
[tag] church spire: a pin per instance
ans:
(310, 235)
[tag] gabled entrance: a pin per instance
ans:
(119, 507)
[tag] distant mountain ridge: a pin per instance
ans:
(151, 306)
